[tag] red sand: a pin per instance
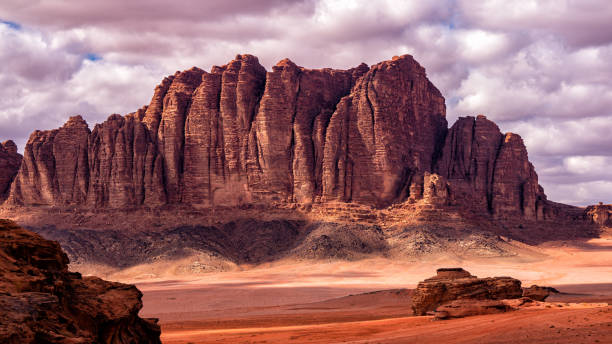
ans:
(293, 302)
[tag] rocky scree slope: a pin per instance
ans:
(42, 302)
(241, 135)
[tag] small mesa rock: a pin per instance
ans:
(538, 293)
(457, 284)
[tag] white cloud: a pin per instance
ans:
(542, 69)
(589, 165)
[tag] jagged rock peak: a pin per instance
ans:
(9, 146)
(286, 62)
(75, 121)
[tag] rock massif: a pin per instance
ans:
(41, 302)
(240, 135)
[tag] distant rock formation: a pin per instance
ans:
(10, 161)
(240, 135)
(455, 293)
(600, 214)
(42, 302)
(457, 284)
(538, 293)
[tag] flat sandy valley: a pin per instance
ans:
(368, 301)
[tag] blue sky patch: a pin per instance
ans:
(93, 57)
(11, 24)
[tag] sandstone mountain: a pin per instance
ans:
(42, 302)
(243, 165)
(240, 135)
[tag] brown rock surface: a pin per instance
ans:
(538, 293)
(465, 308)
(490, 170)
(10, 161)
(55, 168)
(600, 214)
(384, 135)
(239, 135)
(41, 302)
(456, 284)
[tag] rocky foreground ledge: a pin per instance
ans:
(42, 302)
(455, 293)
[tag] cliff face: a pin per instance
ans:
(41, 302)
(490, 170)
(240, 135)
(10, 161)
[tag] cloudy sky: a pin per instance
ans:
(542, 69)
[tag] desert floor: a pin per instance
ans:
(328, 302)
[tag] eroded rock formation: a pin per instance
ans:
(41, 302)
(241, 135)
(600, 214)
(457, 284)
(455, 293)
(10, 161)
(490, 169)
(538, 293)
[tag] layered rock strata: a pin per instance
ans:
(239, 135)
(457, 284)
(455, 293)
(42, 302)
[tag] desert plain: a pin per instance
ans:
(368, 301)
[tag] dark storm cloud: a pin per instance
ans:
(542, 69)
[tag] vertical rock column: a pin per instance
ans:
(468, 160)
(273, 128)
(242, 85)
(171, 131)
(10, 161)
(55, 169)
(515, 183)
(204, 154)
(383, 134)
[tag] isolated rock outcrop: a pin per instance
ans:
(10, 161)
(457, 284)
(241, 135)
(42, 302)
(600, 214)
(455, 293)
(538, 293)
